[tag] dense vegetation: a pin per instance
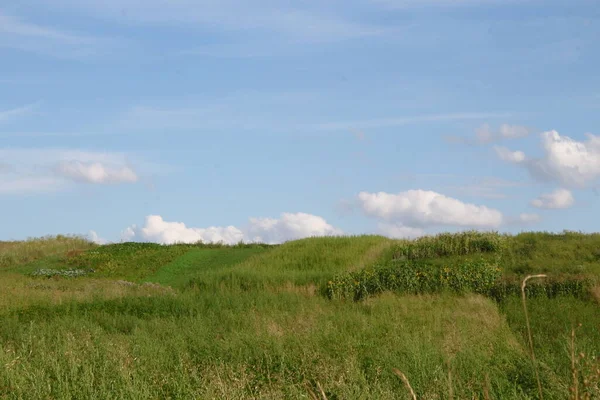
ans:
(315, 318)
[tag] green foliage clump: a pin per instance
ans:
(452, 244)
(577, 286)
(415, 278)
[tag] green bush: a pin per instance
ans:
(414, 278)
(452, 244)
(553, 286)
(479, 276)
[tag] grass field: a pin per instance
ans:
(145, 321)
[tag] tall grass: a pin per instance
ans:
(13, 254)
(247, 321)
(257, 345)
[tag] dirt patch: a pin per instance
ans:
(372, 255)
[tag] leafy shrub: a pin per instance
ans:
(452, 244)
(415, 277)
(480, 276)
(558, 285)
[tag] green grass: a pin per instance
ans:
(250, 321)
(551, 322)
(198, 262)
(305, 262)
(13, 254)
(251, 345)
(130, 261)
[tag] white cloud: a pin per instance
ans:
(158, 230)
(93, 236)
(528, 218)
(289, 226)
(95, 172)
(507, 155)
(566, 161)
(560, 198)
(420, 208)
(49, 170)
(128, 234)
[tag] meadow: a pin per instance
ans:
(363, 317)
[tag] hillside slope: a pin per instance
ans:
(147, 321)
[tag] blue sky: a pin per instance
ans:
(273, 120)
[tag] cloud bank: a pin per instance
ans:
(290, 226)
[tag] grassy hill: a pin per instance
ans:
(314, 318)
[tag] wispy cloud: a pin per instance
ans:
(403, 4)
(408, 120)
(263, 111)
(486, 135)
(27, 170)
(24, 184)
(257, 17)
(7, 115)
(34, 134)
(487, 187)
(16, 26)
(19, 34)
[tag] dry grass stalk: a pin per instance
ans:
(486, 387)
(312, 393)
(450, 388)
(321, 391)
(574, 373)
(537, 374)
(406, 382)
